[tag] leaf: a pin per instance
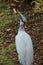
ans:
(8, 29)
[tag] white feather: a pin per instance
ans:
(24, 48)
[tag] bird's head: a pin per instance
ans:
(22, 17)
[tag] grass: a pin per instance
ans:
(5, 61)
(2, 4)
(5, 51)
(5, 18)
(9, 49)
(2, 58)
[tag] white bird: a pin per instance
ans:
(24, 44)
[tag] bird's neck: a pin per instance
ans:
(21, 26)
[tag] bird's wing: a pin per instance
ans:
(19, 43)
(23, 41)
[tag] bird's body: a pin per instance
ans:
(24, 46)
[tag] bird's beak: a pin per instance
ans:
(18, 12)
(14, 10)
(19, 15)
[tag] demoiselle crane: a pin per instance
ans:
(24, 44)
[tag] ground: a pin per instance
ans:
(8, 31)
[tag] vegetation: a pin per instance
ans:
(8, 30)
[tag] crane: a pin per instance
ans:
(24, 43)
